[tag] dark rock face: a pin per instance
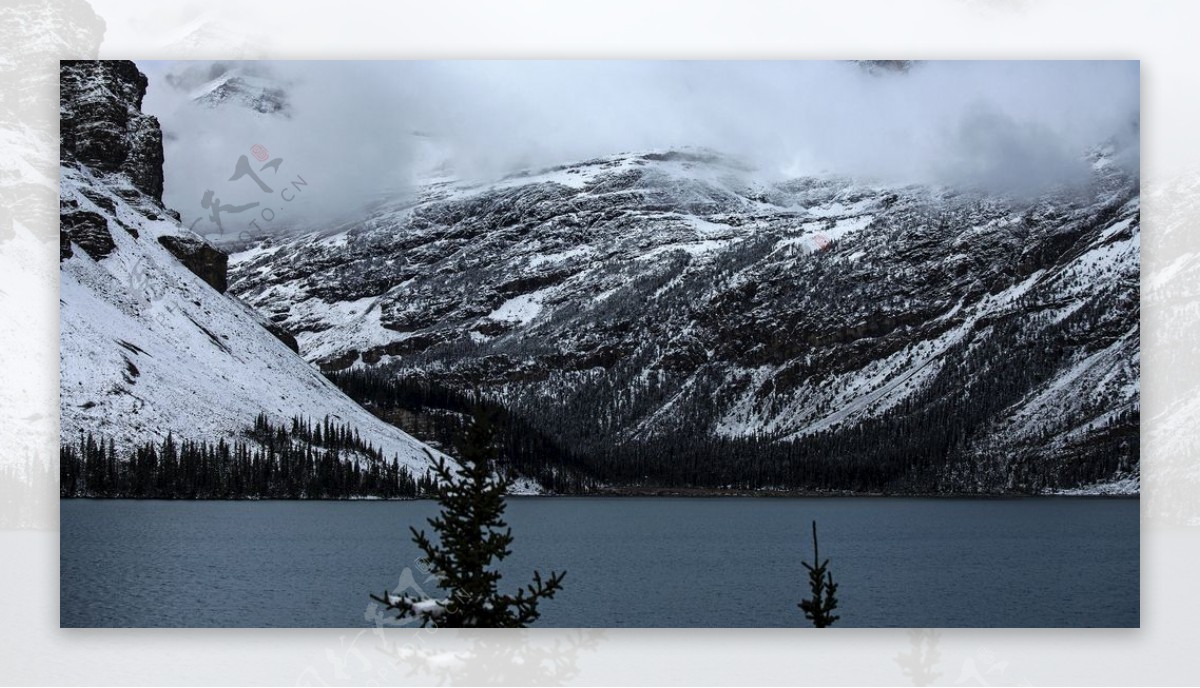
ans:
(282, 335)
(267, 99)
(87, 230)
(198, 256)
(104, 129)
(106, 204)
(658, 298)
(102, 125)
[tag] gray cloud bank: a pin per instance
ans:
(357, 131)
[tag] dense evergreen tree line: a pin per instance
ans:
(441, 416)
(308, 460)
(689, 459)
(925, 444)
(928, 443)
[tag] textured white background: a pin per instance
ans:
(1161, 34)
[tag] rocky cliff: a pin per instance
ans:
(102, 125)
(103, 129)
(150, 344)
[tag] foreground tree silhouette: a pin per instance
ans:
(472, 538)
(819, 608)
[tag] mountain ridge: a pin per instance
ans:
(636, 300)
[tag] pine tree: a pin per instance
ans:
(819, 608)
(473, 538)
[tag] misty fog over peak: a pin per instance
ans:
(356, 132)
(191, 75)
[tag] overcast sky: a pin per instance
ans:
(353, 125)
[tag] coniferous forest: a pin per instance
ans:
(905, 452)
(308, 460)
(441, 417)
(900, 453)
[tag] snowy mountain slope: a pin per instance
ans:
(149, 343)
(225, 84)
(626, 304)
(255, 93)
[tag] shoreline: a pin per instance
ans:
(803, 494)
(653, 493)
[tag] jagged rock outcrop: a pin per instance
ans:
(87, 230)
(104, 130)
(102, 125)
(282, 335)
(208, 263)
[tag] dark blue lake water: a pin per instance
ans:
(715, 562)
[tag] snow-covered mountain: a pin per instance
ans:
(150, 342)
(665, 306)
(230, 84)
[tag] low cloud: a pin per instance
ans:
(361, 131)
